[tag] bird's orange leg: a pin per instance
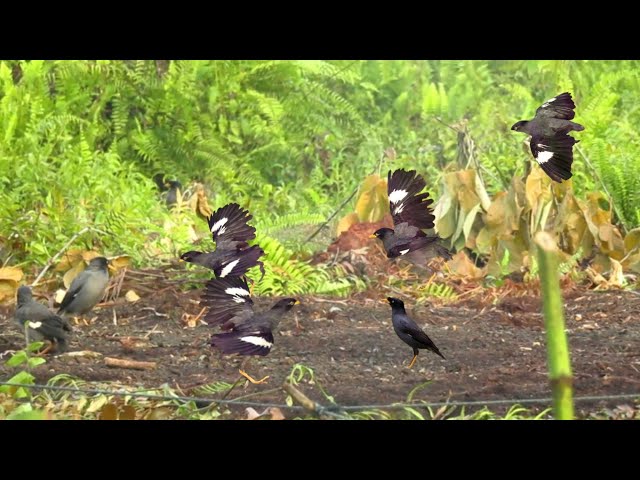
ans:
(46, 350)
(251, 379)
(413, 361)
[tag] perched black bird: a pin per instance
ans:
(246, 332)
(41, 323)
(87, 289)
(550, 143)
(408, 331)
(232, 256)
(172, 187)
(411, 213)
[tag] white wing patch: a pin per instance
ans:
(237, 293)
(35, 325)
(544, 157)
(548, 102)
(397, 195)
(227, 269)
(399, 209)
(259, 341)
(404, 252)
(218, 225)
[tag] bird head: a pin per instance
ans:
(520, 126)
(190, 256)
(285, 304)
(99, 263)
(395, 302)
(381, 233)
(24, 294)
(174, 184)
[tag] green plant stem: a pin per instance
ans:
(557, 347)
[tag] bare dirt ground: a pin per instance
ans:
(492, 351)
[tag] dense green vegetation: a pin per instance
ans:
(80, 141)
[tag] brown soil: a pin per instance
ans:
(493, 351)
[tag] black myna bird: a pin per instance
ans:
(408, 331)
(246, 332)
(411, 213)
(87, 289)
(39, 322)
(232, 257)
(550, 143)
(172, 187)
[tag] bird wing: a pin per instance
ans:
(236, 264)
(561, 106)
(247, 341)
(406, 202)
(229, 228)
(409, 327)
(554, 154)
(75, 288)
(229, 302)
(52, 327)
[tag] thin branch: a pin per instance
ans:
(53, 259)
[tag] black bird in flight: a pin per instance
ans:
(411, 214)
(245, 331)
(232, 257)
(408, 331)
(550, 143)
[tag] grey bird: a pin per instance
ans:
(41, 324)
(87, 289)
(408, 331)
(411, 213)
(550, 143)
(246, 332)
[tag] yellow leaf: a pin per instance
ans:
(373, 203)
(132, 296)
(7, 289)
(107, 412)
(345, 223)
(59, 296)
(71, 274)
(119, 262)
(89, 255)
(537, 188)
(632, 240)
(462, 265)
(69, 259)
(11, 273)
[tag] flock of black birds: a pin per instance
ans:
(228, 296)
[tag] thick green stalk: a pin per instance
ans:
(557, 347)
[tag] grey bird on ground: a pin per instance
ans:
(246, 331)
(408, 331)
(411, 213)
(550, 143)
(87, 289)
(41, 324)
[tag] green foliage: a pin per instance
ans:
(287, 139)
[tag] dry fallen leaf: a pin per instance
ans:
(73, 273)
(119, 262)
(7, 289)
(11, 273)
(132, 296)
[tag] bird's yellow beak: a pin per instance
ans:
(383, 301)
(297, 302)
(373, 235)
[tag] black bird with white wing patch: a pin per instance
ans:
(40, 322)
(233, 256)
(246, 332)
(408, 331)
(550, 143)
(411, 213)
